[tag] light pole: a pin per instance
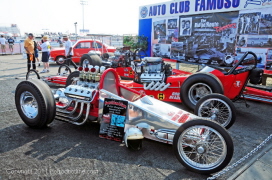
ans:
(83, 3)
(76, 29)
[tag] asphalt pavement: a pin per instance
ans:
(66, 151)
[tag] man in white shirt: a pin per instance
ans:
(3, 42)
(68, 51)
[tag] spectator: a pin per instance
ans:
(11, 44)
(60, 42)
(45, 47)
(68, 51)
(3, 44)
(29, 47)
(36, 52)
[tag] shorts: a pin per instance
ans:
(36, 53)
(10, 46)
(45, 56)
(3, 46)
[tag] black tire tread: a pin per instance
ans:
(204, 77)
(35, 87)
(69, 78)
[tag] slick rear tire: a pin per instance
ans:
(107, 55)
(35, 103)
(203, 146)
(94, 60)
(197, 86)
(217, 107)
(71, 77)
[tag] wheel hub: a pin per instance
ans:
(29, 105)
(201, 91)
(200, 149)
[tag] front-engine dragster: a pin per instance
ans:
(201, 145)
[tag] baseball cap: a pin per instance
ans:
(30, 34)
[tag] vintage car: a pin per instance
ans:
(162, 82)
(201, 145)
(81, 47)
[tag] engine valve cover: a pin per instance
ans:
(79, 92)
(146, 77)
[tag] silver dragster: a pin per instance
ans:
(201, 145)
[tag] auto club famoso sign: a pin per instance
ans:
(209, 31)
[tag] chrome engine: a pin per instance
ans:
(75, 101)
(152, 72)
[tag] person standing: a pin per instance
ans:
(36, 52)
(69, 51)
(45, 47)
(29, 47)
(11, 44)
(60, 42)
(3, 44)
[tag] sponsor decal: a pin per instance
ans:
(237, 84)
(161, 96)
(174, 95)
(130, 72)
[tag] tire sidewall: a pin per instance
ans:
(210, 80)
(94, 60)
(70, 77)
(41, 118)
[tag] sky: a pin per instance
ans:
(100, 16)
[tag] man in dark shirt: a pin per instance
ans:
(11, 44)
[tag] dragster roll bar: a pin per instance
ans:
(241, 59)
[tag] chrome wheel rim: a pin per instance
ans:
(202, 147)
(29, 105)
(197, 91)
(216, 110)
(61, 60)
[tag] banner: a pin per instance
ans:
(113, 119)
(213, 38)
(190, 7)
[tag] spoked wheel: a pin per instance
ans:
(203, 146)
(35, 103)
(32, 74)
(217, 108)
(64, 70)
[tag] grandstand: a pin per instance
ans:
(12, 30)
